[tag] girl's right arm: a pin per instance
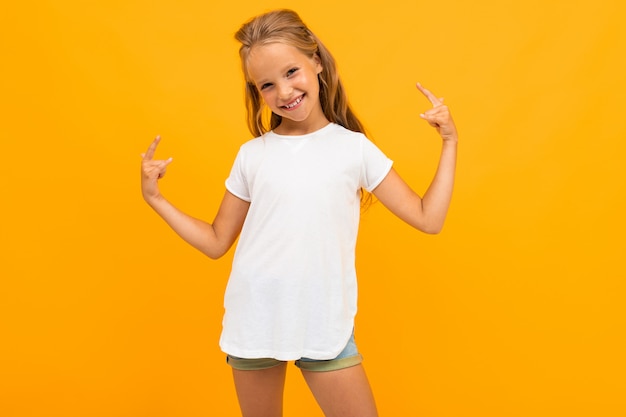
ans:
(214, 239)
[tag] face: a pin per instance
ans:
(287, 80)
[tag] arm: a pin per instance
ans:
(214, 239)
(428, 213)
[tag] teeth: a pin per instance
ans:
(294, 104)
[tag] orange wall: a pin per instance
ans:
(517, 309)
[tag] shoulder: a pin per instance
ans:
(340, 136)
(252, 145)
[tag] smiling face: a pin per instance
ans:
(288, 83)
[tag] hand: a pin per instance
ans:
(151, 171)
(439, 116)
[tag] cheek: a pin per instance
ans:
(314, 82)
(266, 96)
(269, 99)
(308, 81)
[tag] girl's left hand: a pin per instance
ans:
(439, 116)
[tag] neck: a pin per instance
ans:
(314, 122)
(289, 128)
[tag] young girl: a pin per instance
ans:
(294, 193)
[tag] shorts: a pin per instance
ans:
(348, 357)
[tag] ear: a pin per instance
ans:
(318, 63)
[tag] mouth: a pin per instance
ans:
(295, 103)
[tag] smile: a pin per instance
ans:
(294, 103)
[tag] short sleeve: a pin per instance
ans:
(236, 183)
(376, 165)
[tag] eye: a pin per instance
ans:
(265, 86)
(291, 71)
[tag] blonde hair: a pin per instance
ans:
(285, 26)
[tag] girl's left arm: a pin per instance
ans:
(428, 213)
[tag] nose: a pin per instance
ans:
(284, 91)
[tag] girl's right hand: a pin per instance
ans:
(152, 170)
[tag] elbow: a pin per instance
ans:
(431, 227)
(432, 230)
(214, 254)
(216, 248)
(429, 221)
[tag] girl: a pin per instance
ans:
(294, 194)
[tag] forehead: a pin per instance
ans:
(264, 60)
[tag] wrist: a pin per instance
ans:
(153, 199)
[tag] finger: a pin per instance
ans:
(437, 115)
(157, 164)
(163, 167)
(152, 148)
(430, 96)
(155, 169)
(438, 112)
(431, 119)
(441, 109)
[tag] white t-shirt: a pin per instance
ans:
(292, 291)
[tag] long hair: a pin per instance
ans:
(286, 27)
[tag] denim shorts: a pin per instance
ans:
(348, 357)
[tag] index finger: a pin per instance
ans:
(152, 148)
(430, 96)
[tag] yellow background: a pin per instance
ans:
(516, 309)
